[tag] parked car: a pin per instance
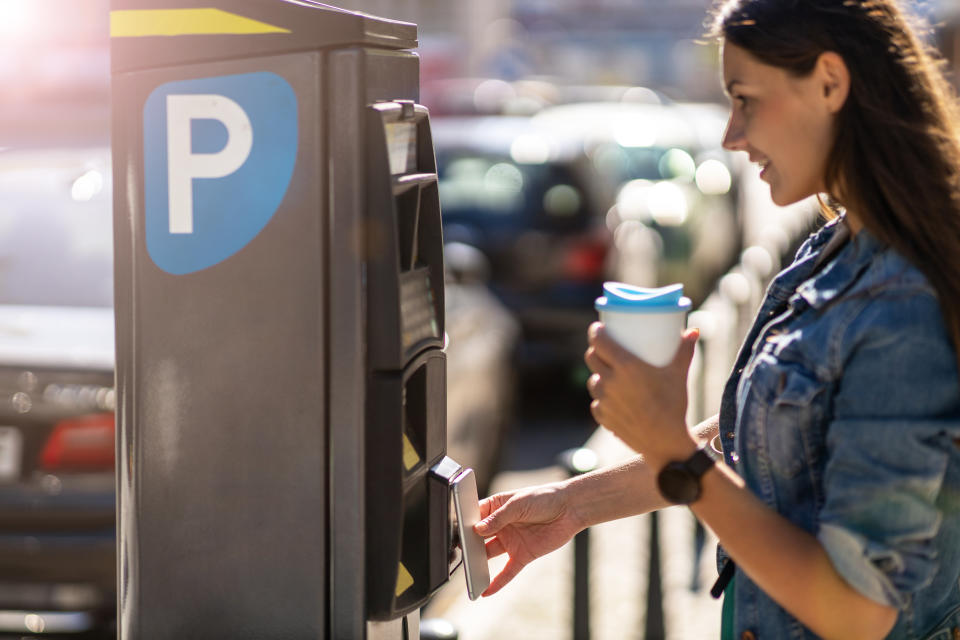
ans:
(57, 551)
(57, 398)
(482, 381)
(529, 199)
(580, 193)
(675, 217)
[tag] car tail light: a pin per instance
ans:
(84, 443)
(585, 258)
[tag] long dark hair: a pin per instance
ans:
(896, 157)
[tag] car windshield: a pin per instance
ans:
(496, 188)
(621, 164)
(55, 212)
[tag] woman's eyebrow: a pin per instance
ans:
(729, 87)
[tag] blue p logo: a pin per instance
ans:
(218, 158)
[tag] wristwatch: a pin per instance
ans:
(679, 481)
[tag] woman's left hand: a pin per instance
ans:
(644, 405)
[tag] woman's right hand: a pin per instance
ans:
(525, 524)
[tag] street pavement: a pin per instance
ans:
(538, 604)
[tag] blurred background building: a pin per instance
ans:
(648, 42)
(616, 42)
(59, 48)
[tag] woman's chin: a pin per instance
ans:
(780, 202)
(783, 198)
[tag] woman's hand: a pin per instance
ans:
(645, 406)
(526, 524)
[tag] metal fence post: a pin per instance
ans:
(577, 462)
(654, 627)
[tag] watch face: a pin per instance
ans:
(677, 484)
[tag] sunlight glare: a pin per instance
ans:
(17, 20)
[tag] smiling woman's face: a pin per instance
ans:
(785, 123)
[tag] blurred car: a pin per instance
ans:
(57, 564)
(482, 382)
(675, 215)
(57, 398)
(529, 199)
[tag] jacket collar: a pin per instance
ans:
(839, 271)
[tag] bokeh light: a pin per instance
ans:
(562, 201)
(713, 178)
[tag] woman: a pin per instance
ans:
(838, 495)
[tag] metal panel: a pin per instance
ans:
(347, 385)
(221, 381)
(242, 385)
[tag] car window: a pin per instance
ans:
(497, 191)
(622, 164)
(483, 186)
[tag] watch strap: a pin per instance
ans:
(699, 463)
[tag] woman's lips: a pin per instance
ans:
(764, 166)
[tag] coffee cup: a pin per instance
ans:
(647, 322)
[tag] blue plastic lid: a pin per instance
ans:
(619, 296)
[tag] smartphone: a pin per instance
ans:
(466, 503)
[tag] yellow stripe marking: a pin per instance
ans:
(404, 580)
(136, 23)
(410, 456)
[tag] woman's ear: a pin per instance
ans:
(834, 79)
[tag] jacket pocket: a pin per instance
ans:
(794, 422)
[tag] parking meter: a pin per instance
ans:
(280, 322)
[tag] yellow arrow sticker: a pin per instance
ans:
(410, 456)
(404, 580)
(136, 23)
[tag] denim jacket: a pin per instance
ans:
(841, 414)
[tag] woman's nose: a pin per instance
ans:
(733, 138)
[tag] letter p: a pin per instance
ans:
(183, 165)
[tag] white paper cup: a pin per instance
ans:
(652, 337)
(647, 322)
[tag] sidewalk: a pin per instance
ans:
(538, 603)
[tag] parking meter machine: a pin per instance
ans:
(280, 320)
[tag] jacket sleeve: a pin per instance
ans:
(896, 413)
